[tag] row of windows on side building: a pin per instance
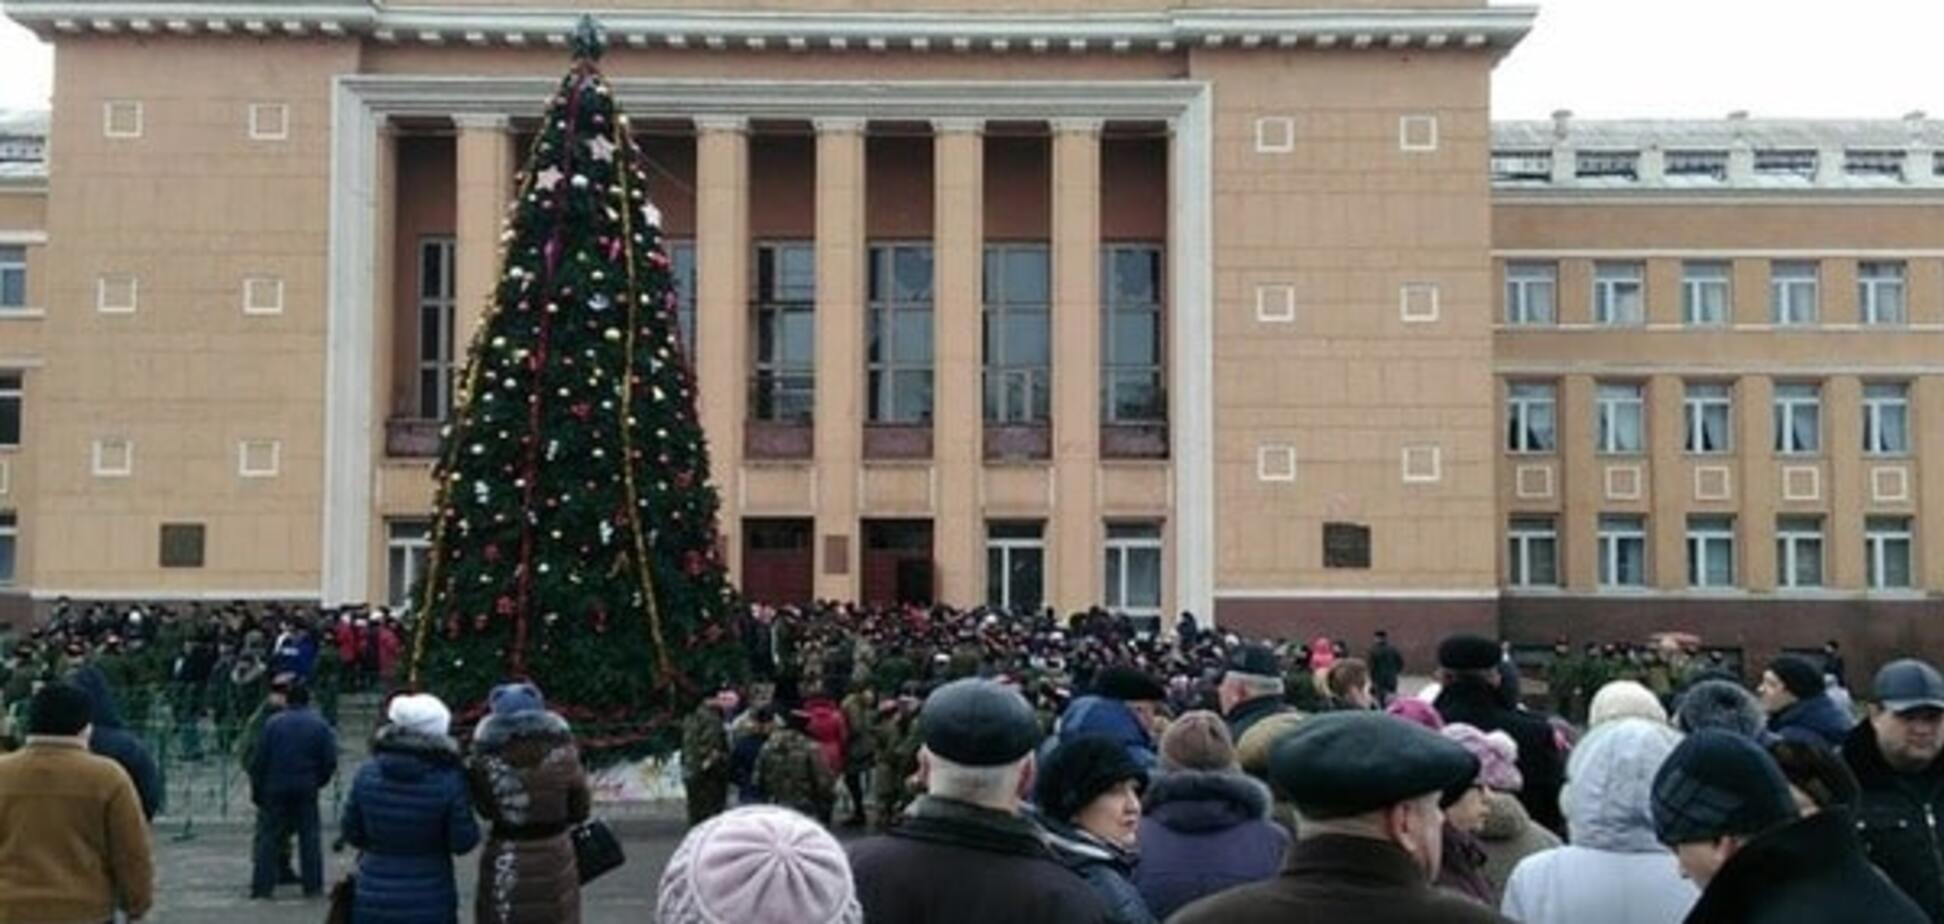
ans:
(1619, 295)
(1620, 418)
(1621, 540)
(899, 338)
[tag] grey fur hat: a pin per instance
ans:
(1721, 704)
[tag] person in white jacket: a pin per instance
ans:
(1614, 869)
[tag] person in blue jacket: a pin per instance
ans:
(296, 757)
(113, 740)
(1123, 707)
(1799, 706)
(410, 814)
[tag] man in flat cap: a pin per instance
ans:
(1367, 786)
(1468, 667)
(1252, 688)
(1898, 758)
(963, 852)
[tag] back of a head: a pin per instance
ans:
(59, 710)
(1622, 699)
(1720, 704)
(1608, 796)
(1819, 773)
(1719, 784)
(1253, 750)
(758, 865)
(1198, 740)
(1348, 676)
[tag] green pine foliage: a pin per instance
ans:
(576, 539)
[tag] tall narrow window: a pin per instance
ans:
(899, 339)
(13, 277)
(1798, 418)
(408, 544)
(1799, 552)
(12, 398)
(1710, 410)
(1623, 551)
(1621, 412)
(1532, 552)
(1015, 565)
(1880, 292)
(9, 543)
(1705, 301)
(1619, 294)
(1131, 344)
(785, 356)
(1886, 545)
(437, 374)
(1531, 291)
(1531, 416)
(681, 266)
(1134, 569)
(1711, 551)
(1793, 292)
(1886, 419)
(1018, 333)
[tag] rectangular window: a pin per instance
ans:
(12, 408)
(1710, 411)
(1131, 346)
(1880, 292)
(1798, 552)
(437, 374)
(1620, 410)
(1523, 166)
(1134, 569)
(1882, 164)
(1798, 418)
(1607, 165)
(13, 276)
(1619, 294)
(1711, 551)
(9, 545)
(1705, 300)
(1018, 333)
(1016, 565)
(1798, 164)
(408, 546)
(1531, 291)
(1532, 552)
(1887, 548)
(784, 387)
(681, 268)
(1531, 417)
(1623, 551)
(1792, 292)
(898, 352)
(1886, 419)
(1693, 166)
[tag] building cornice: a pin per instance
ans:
(1075, 31)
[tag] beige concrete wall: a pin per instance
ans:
(1009, 5)
(1347, 218)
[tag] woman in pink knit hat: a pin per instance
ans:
(1487, 831)
(759, 864)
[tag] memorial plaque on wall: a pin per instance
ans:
(1346, 545)
(182, 545)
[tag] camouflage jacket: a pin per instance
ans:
(861, 749)
(792, 773)
(705, 744)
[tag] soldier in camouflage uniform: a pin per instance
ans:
(860, 750)
(791, 771)
(705, 761)
(896, 741)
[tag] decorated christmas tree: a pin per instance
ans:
(575, 539)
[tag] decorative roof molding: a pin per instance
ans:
(1076, 31)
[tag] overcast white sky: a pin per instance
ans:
(1606, 59)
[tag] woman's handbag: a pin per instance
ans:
(343, 892)
(596, 850)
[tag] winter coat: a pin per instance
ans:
(951, 862)
(1250, 711)
(791, 772)
(1202, 832)
(1816, 720)
(1386, 665)
(1540, 760)
(410, 814)
(1463, 869)
(72, 843)
(1340, 879)
(111, 739)
(1106, 867)
(743, 754)
(295, 756)
(829, 730)
(1509, 835)
(527, 781)
(1898, 820)
(1615, 870)
(1806, 872)
(1098, 715)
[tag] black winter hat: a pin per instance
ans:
(978, 723)
(1468, 653)
(1719, 783)
(1800, 677)
(1256, 659)
(59, 709)
(1078, 771)
(1128, 685)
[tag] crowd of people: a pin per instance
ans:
(1020, 767)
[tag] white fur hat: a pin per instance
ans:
(420, 712)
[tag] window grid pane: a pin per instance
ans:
(899, 345)
(1132, 347)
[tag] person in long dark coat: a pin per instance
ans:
(1469, 669)
(528, 782)
(410, 815)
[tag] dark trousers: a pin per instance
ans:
(277, 817)
(854, 784)
(707, 797)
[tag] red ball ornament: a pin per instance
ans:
(692, 561)
(504, 606)
(491, 553)
(582, 410)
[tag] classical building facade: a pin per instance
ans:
(1247, 310)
